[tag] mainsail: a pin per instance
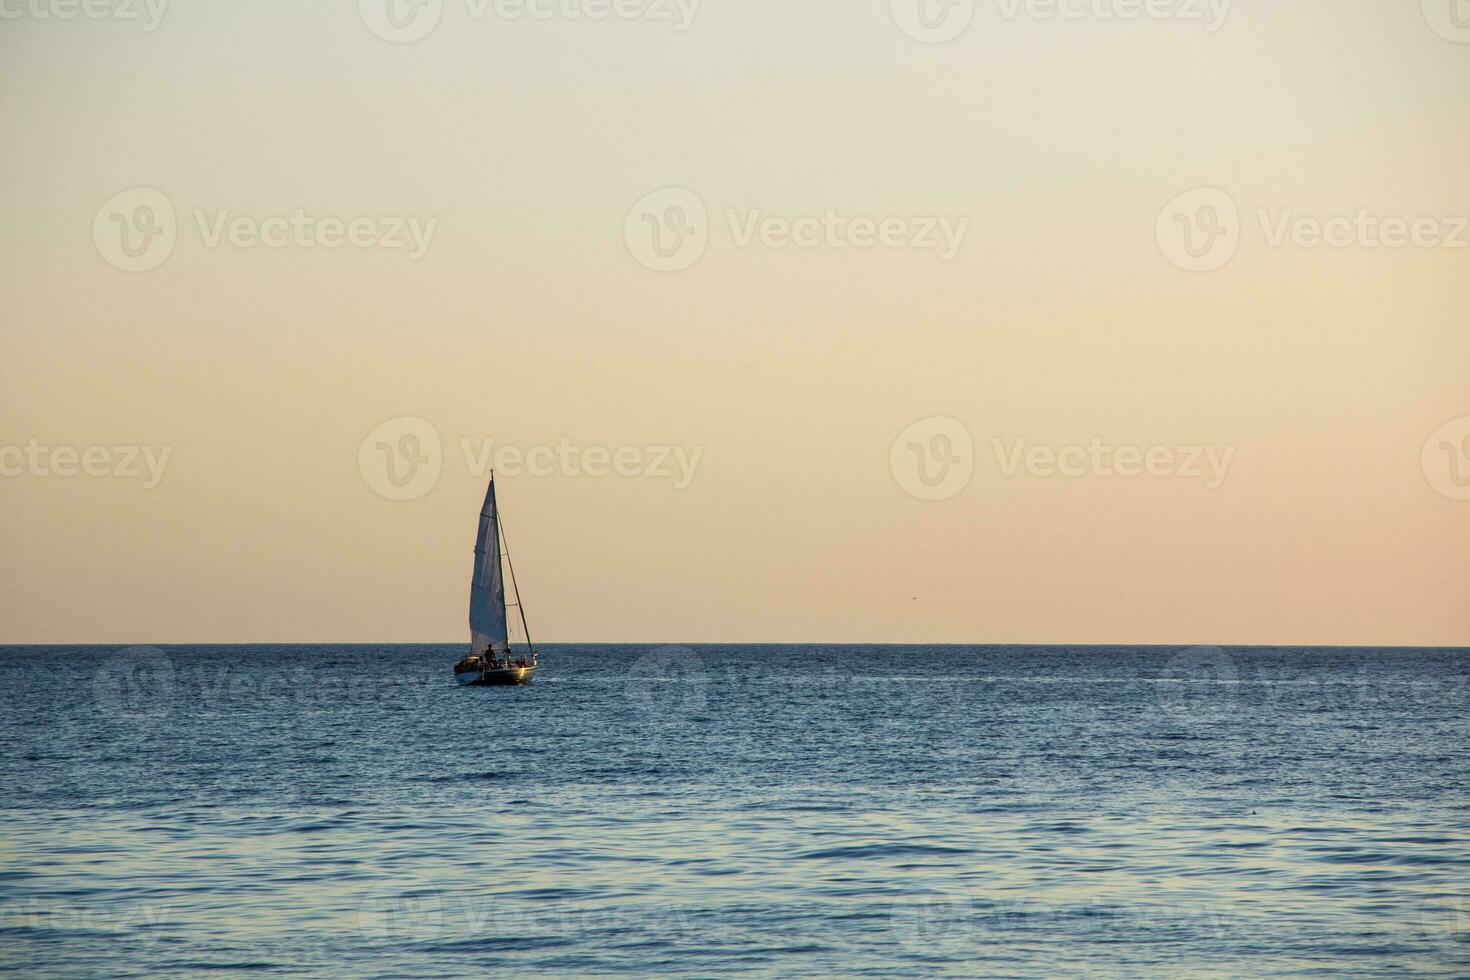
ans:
(487, 588)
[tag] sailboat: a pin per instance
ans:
(491, 662)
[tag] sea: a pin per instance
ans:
(705, 810)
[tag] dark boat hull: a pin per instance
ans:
(505, 677)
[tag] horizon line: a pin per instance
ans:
(758, 643)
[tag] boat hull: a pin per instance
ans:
(505, 677)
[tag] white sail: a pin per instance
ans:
(487, 588)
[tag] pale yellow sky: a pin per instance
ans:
(1333, 379)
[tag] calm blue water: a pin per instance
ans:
(762, 810)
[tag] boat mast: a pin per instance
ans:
(505, 546)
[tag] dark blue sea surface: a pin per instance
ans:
(763, 810)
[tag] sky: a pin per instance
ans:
(986, 322)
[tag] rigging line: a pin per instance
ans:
(513, 583)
